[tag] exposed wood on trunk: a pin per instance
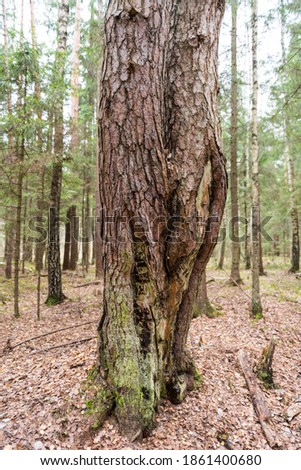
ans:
(256, 302)
(259, 402)
(235, 278)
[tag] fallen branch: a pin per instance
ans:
(259, 402)
(93, 283)
(68, 344)
(49, 333)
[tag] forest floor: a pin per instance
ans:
(44, 402)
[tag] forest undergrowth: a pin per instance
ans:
(45, 398)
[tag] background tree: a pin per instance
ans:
(256, 302)
(235, 278)
(55, 292)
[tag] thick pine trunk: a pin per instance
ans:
(55, 292)
(162, 195)
(234, 225)
(256, 301)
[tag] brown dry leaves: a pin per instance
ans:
(43, 403)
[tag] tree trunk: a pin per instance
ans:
(256, 302)
(162, 194)
(18, 226)
(39, 246)
(9, 229)
(98, 241)
(202, 305)
(75, 79)
(9, 249)
(74, 229)
(223, 247)
(66, 261)
(246, 178)
(55, 292)
(234, 221)
(295, 240)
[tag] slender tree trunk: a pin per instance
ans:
(234, 224)
(22, 92)
(223, 246)
(261, 268)
(162, 193)
(67, 246)
(295, 240)
(98, 240)
(9, 228)
(55, 292)
(246, 178)
(18, 226)
(39, 246)
(256, 302)
(8, 85)
(75, 79)
(202, 305)
(74, 228)
(9, 249)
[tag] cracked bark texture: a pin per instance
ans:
(162, 193)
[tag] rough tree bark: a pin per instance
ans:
(256, 302)
(55, 292)
(162, 194)
(235, 278)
